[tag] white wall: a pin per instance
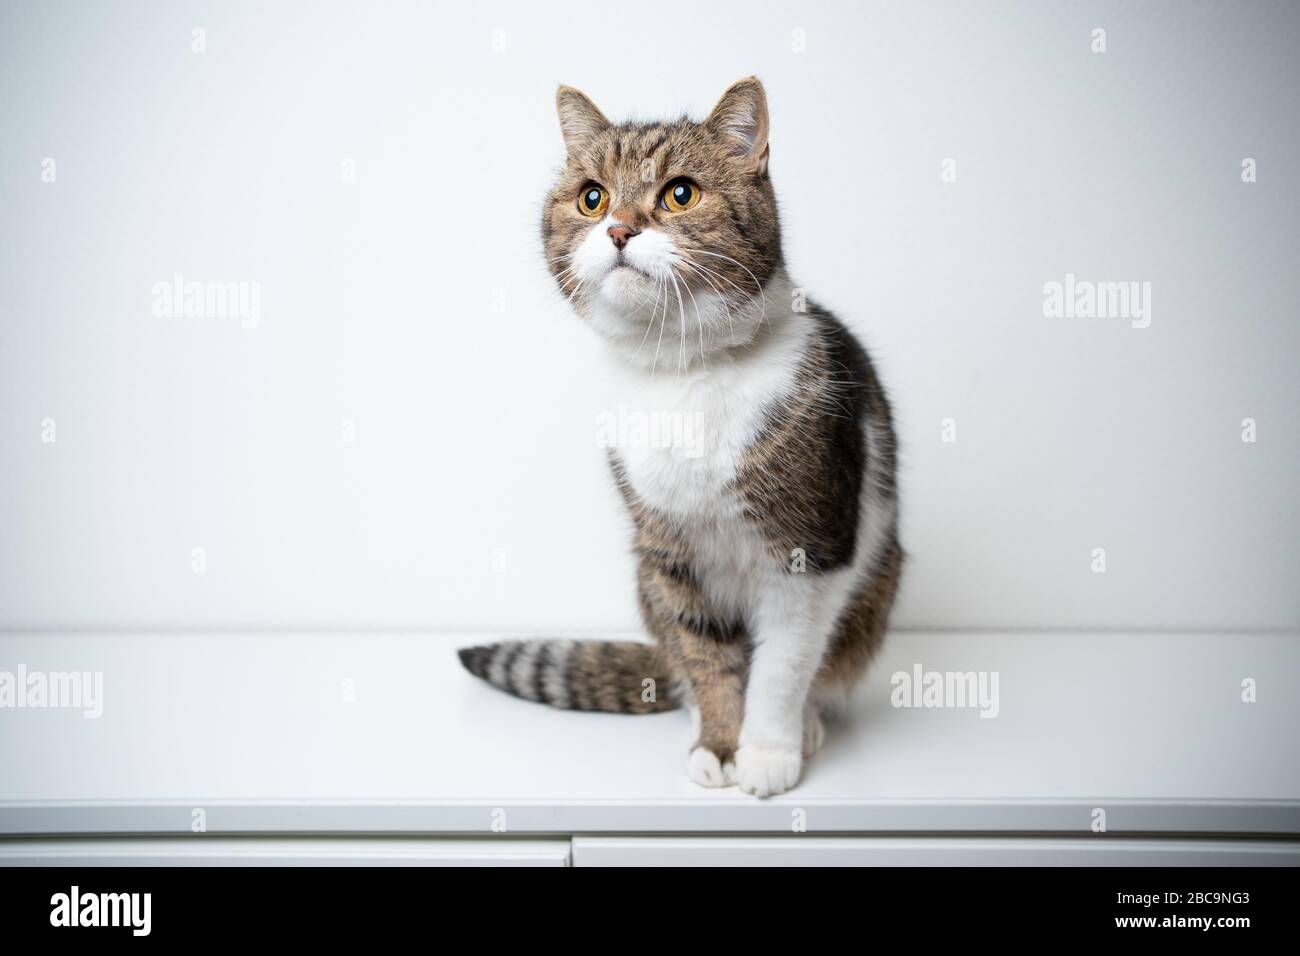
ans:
(474, 428)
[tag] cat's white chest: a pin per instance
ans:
(683, 435)
(686, 454)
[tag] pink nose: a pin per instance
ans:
(619, 235)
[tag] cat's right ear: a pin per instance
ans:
(741, 117)
(579, 117)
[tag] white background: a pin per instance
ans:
(476, 432)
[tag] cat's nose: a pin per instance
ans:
(619, 235)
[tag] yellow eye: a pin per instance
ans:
(592, 200)
(679, 196)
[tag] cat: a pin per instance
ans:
(768, 560)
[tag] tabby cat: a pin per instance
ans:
(768, 556)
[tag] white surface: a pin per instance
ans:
(475, 495)
(254, 730)
(932, 851)
(300, 851)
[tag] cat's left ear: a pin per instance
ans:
(579, 117)
(741, 116)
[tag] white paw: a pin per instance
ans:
(705, 769)
(814, 733)
(766, 771)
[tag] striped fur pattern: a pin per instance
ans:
(768, 560)
(618, 676)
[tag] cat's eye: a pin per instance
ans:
(592, 200)
(679, 196)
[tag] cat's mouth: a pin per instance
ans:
(625, 283)
(623, 271)
(621, 265)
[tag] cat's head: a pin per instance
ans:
(664, 235)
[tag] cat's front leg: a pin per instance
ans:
(707, 650)
(712, 758)
(792, 630)
(715, 670)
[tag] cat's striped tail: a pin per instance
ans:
(618, 676)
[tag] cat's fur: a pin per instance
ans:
(768, 562)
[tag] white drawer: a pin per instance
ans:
(926, 851)
(282, 851)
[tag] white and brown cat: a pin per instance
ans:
(768, 555)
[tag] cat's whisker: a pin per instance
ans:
(717, 275)
(663, 322)
(696, 268)
(699, 320)
(757, 284)
(746, 303)
(651, 323)
(566, 274)
(576, 289)
(681, 313)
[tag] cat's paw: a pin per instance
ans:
(814, 732)
(766, 771)
(704, 768)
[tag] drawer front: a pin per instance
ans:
(926, 851)
(282, 851)
(642, 851)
